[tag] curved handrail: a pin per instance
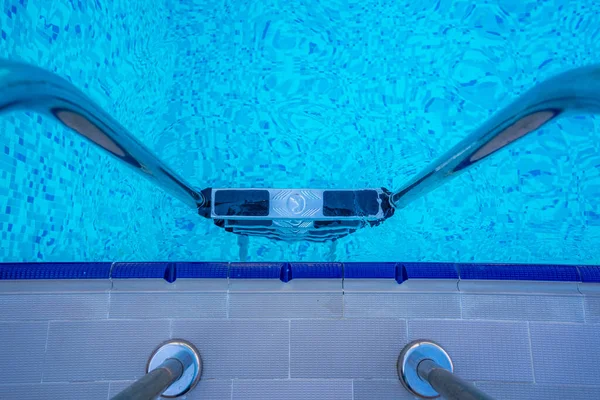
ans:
(575, 91)
(24, 86)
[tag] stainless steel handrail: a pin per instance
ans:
(425, 369)
(24, 86)
(448, 385)
(154, 383)
(173, 369)
(573, 92)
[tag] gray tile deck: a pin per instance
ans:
(379, 390)
(528, 391)
(566, 353)
(297, 343)
(52, 306)
(238, 349)
(401, 305)
(523, 307)
(101, 350)
(286, 305)
(293, 390)
(22, 342)
(592, 309)
(168, 305)
(346, 348)
(474, 344)
(58, 391)
(208, 389)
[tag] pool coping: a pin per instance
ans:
(286, 272)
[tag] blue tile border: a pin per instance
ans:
(519, 272)
(283, 271)
(590, 273)
(67, 270)
(259, 271)
(430, 270)
(366, 270)
(133, 270)
(316, 270)
(201, 270)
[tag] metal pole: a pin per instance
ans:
(154, 383)
(450, 386)
(425, 370)
(30, 88)
(573, 92)
(173, 369)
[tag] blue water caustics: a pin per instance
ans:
(323, 94)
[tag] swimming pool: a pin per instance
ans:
(313, 94)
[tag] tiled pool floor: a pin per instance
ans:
(324, 339)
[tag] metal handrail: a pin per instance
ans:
(573, 92)
(450, 386)
(173, 369)
(425, 369)
(24, 86)
(154, 383)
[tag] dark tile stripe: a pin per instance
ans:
(400, 271)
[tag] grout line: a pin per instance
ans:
(109, 303)
(352, 389)
(281, 319)
(289, 349)
(530, 351)
(110, 272)
(343, 304)
(45, 352)
(227, 302)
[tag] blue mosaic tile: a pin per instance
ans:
(315, 270)
(430, 270)
(259, 271)
(590, 273)
(72, 270)
(201, 270)
(359, 270)
(519, 272)
(136, 270)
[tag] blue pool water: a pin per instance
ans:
(324, 94)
